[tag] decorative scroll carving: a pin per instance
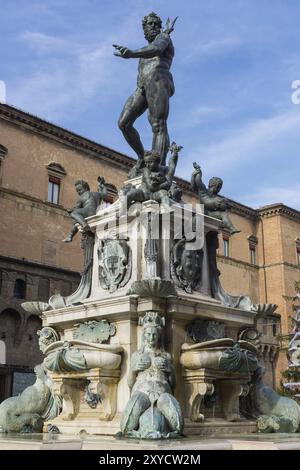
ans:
(84, 288)
(95, 331)
(205, 330)
(47, 336)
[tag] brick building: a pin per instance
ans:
(39, 163)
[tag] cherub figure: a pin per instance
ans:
(86, 205)
(214, 205)
(175, 193)
(152, 412)
(157, 179)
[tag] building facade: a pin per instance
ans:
(39, 164)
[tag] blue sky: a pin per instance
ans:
(233, 69)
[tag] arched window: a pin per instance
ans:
(43, 289)
(3, 150)
(56, 172)
(20, 289)
(2, 352)
(253, 248)
(10, 323)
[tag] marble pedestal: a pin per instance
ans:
(124, 313)
(135, 272)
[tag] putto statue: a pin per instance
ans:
(157, 179)
(86, 205)
(152, 412)
(214, 205)
(154, 88)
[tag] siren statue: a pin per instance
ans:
(152, 412)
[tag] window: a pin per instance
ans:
(3, 152)
(53, 190)
(112, 194)
(252, 239)
(2, 352)
(43, 289)
(225, 246)
(20, 289)
(56, 173)
(298, 251)
(252, 254)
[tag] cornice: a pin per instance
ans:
(113, 157)
(52, 131)
(279, 209)
(65, 136)
(36, 264)
(242, 210)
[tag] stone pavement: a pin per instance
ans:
(109, 443)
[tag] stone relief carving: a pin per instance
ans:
(151, 247)
(252, 335)
(97, 373)
(205, 330)
(115, 263)
(237, 359)
(186, 265)
(76, 355)
(47, 336)
(95, 331)
(65, 359)
(152, 288)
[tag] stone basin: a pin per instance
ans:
(222, 354)
(76, 355)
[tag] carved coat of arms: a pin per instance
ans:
(114, 263)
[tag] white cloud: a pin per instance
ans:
(42, 42)
(289, 196)
(2, 92)
(249, 142)
(198, 115)
(210, 47)
(71, 71)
